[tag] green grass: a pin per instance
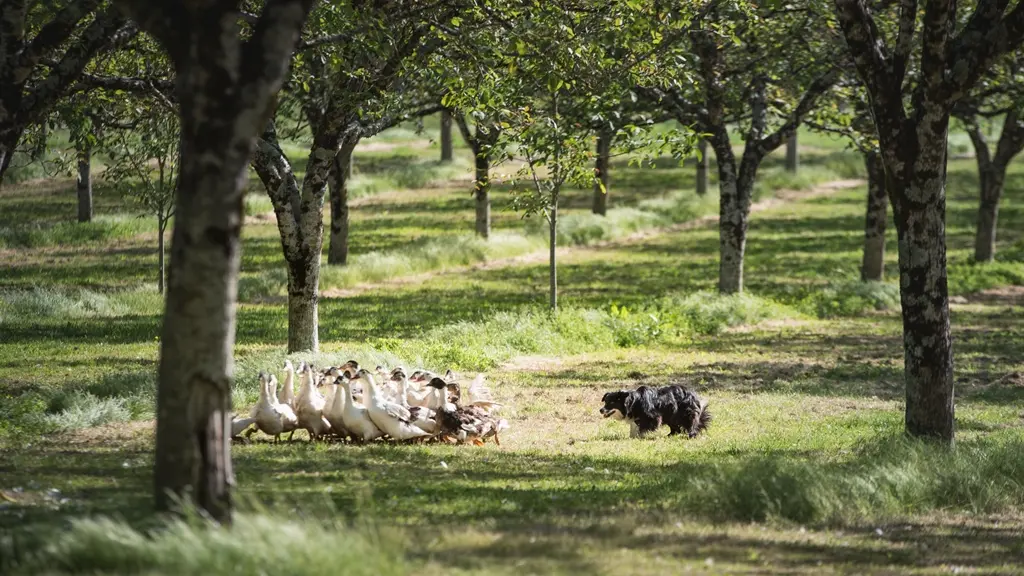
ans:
(804, 462)
(255, 544)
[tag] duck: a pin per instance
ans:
(287, 393)
(239, 425)
(478, 394)
(309, 406)
(392, 418)
(270, 416)
(433, 396)
(471, 424)
(335, 408)
(354, 416)
(349, 370)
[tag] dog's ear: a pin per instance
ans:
(605, 397)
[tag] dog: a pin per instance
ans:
(648, 408)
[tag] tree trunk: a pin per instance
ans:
(84, 183)
(552, 260)
(988, 213)
(873, 264)
(792, 154)
(224, 99)
(304, 264)
(482, 191)
(446, 136)
(702, 168)
(161, 228)
(734, 188)
(337, 253)
(916, 185)
(601, 166)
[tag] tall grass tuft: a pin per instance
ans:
(585, 228)
(435, 254)
(888, 479)
(254, 544)
(75, 303)
(852, 298)
(101, 229)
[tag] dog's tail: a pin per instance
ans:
(703, 417)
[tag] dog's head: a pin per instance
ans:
(615, 404)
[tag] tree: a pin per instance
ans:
(912, 141)
(226, 86)
(997, 95)
(345, 78)
(754, 67)
(152, 139)
(43, 50)
(481, 138)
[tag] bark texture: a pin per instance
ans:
(873, 264)
(482, 192)
(792, 153)
(703, 163)
(84, 183)
(480, 139)
(446, 136)
(225, 89)
(601, 166)
(337, 253)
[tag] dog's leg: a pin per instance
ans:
(634, 430)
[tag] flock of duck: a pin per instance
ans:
(419, 407)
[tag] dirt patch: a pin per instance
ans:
(120, 435)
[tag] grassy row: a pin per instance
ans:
(883, 482)
(574, 229)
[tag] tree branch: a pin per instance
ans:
(53, 34)
(807, 102)
(98, 34)
(869, 56)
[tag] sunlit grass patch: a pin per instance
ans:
(435, 254)
(35, 303)
(104, 228)
(852, 298)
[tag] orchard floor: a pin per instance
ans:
(803, 471)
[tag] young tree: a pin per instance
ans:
(144, 165)
(226, 85)
(43, 50)
(912, 141)
(754, 67)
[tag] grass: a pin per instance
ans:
(255, 544)
(804, 469)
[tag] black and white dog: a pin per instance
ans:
(648, 408)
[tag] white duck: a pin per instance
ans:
(354, 416)
(434, 396)
(272, 417)
(392, 418)
(309, 406)
(335, 408)
(287, 393)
